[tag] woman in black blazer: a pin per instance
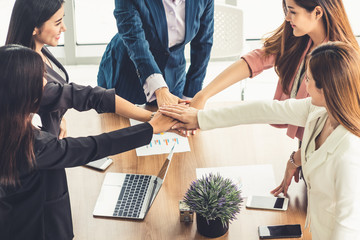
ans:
(28, 155)
(33, 24)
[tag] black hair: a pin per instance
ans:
(26, 15)
(21, 87)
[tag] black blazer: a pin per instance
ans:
(25, 212)
(59, 96)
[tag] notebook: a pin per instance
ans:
(125, 195)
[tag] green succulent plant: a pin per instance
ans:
(213, 197)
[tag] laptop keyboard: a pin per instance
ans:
(132, 196)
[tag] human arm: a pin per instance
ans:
(250, 65)
(82, 98)
(290, 111)
(53, 153)
(129, 110)
(292, 170)
(132, 33)
(231, 75)
(200, 48)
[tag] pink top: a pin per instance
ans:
(258, 63)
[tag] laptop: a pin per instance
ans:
(125, 195)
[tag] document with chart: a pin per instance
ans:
(162, 143)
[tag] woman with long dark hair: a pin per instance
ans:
(28, 155)
(307, 24)
(36, 23)
(331, 142)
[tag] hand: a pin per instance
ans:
(63, 132)
(183, 113)
(290, 172)
(186, 133)
(164, 97)
(161, 123)
(198, 101)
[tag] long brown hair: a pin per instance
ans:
(335, 69)
(21, 82)
(289, 49)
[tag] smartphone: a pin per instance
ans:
(100, 164)
(280, 231)
(265, 202)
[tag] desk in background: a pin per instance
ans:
(240, 145)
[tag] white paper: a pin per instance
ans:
(252, 179)
(162, 143)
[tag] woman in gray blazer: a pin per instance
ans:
(331, 144)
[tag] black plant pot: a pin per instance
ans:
(213, 229)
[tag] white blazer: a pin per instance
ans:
(332, 172)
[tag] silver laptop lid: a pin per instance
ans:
(164, 169)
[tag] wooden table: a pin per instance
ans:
(240, 145)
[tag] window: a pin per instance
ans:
(352, 9)
(6, 7)
(5, 13)
(95, 22)
(261, 17)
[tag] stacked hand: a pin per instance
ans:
(161, 123)
(164, 99)
(187, 116)
(198, 101)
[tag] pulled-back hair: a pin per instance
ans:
(26, 15)
(21, 83)
(334, 67)
(289, 48)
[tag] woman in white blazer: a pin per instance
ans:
(330, 153)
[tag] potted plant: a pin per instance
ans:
(215, 201)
